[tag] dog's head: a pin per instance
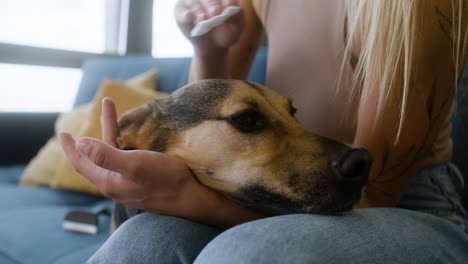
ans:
(242, 139)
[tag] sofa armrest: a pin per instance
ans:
(23, 134)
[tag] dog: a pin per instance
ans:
(242, 140)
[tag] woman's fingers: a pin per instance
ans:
(103, 155)
(109, 124)
(227, 3)
(212, 7)
(99, 163)
(80, 162)
(130, 164)
(191, 11)
(183, 12)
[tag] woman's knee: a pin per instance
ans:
(366, 236)
(151, 238)
(281, 239)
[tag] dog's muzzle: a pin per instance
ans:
(352, 166)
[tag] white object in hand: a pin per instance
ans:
(206, 26)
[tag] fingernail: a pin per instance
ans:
(228, 2)
(61, 134)
(83, 146)
(107, 99)
(200, 16)
(212, 10)
(186, 17)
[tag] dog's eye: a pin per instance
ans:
(249, 121)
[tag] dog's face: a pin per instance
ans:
(242, 139)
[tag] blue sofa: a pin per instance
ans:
(31, 218)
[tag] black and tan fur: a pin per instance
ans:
(274, 166)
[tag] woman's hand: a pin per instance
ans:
(190, 12)
(148, 180)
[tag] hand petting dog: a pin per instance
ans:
(148, 180)
(189, 13)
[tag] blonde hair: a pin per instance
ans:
(388, 34)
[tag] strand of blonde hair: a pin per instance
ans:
(383, 33)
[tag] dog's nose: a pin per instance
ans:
(353, 165)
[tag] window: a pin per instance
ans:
(57, 36)
(25, 26)
(168, 41)
(37, 89)
(70, 25)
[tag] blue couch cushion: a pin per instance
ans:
(31, 225)
(36, 236)
(10, 174)
(172, 72)
(14, 197)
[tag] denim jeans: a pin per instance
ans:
(430, 226)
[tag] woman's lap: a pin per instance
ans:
(151, 238)
(379, 235)
(384, 235)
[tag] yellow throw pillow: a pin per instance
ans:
(41, 169)
(51, 167)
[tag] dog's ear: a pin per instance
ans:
(139, 126)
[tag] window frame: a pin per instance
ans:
(128, 31)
